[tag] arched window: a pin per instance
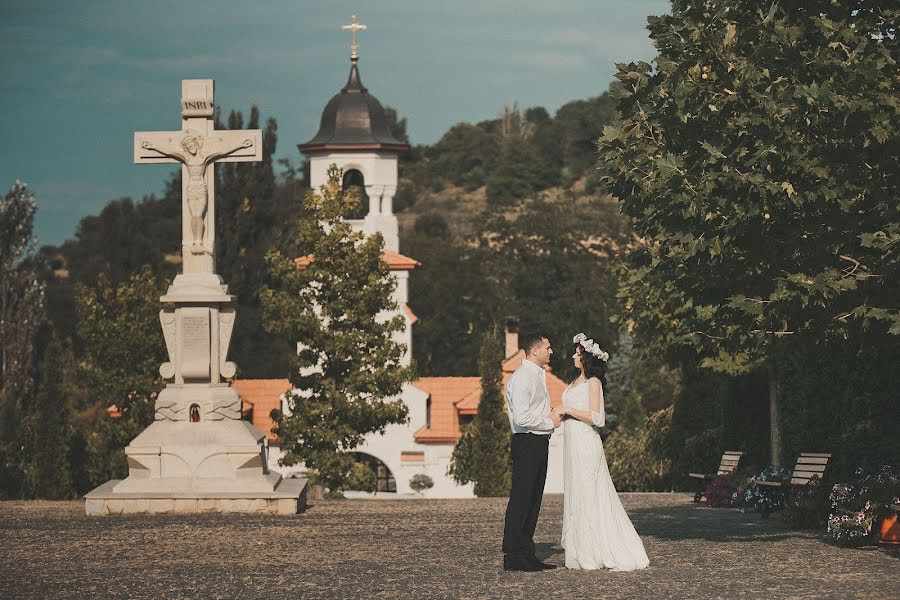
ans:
(383, 477)
(195, 413)
(355, 179)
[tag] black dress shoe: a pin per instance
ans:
(541, 565)
(520, 563)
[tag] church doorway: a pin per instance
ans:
(354, 179)
(384, 479)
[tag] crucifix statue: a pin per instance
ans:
(197, 146)
(353, 27)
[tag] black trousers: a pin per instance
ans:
(529, 472)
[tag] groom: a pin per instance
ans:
(532, 423)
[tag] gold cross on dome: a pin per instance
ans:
(353, 27)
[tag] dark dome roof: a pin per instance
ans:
(353, 120)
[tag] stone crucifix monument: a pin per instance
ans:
(198, 455)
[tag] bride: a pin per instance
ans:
(596, 531)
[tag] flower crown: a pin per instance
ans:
(590, 346)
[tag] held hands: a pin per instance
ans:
(557, 414)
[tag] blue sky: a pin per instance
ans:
(78, 78)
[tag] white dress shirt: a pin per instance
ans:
(528, 400)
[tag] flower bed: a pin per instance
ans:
(857, 505)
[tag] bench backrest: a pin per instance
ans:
(730, 460)
(809, 465)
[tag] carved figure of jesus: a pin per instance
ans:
(196, 162)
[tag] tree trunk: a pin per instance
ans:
(774, 433)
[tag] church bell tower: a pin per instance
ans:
(354, 135)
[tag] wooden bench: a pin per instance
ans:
(731, 460)
(809, 466)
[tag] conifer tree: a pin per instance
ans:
(48, 428)
(482, 454)
(348, 364)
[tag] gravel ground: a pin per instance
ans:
(417, 549)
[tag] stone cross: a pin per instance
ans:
(198, 146)
(353, 27)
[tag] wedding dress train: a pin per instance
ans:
(596, 532)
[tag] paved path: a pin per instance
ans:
(416, 549)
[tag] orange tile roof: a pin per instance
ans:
(452, 397)
(394, 260)
(444, 391)
(399, 262)
(259, 397)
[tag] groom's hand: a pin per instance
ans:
(554, 416)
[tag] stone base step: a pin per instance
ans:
(289, 498)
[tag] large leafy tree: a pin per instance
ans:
(481, 455)
(758, 159)
(348, 366)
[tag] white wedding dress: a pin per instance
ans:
(596, 531)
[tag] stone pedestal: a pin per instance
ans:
(198, 455)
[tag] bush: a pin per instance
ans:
(421, 482)
(806, 507)
(640, 460)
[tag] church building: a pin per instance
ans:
(354, 135)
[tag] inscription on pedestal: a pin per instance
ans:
(195, 343)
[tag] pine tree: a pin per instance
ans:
(48, 428)
(247, 226)
(482, 454)
(348, 364)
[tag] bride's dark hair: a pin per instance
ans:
(593, 366)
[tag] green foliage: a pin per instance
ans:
(465, 155)
(248, 223)
(638, 383)
(122, 347)
(22, 314)
(47, 430)
(452, 296)
(840, 396)
(550, 261)
(758, 161)
(348, 363)
(482, 454)
(640, 459)
(806, 507)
